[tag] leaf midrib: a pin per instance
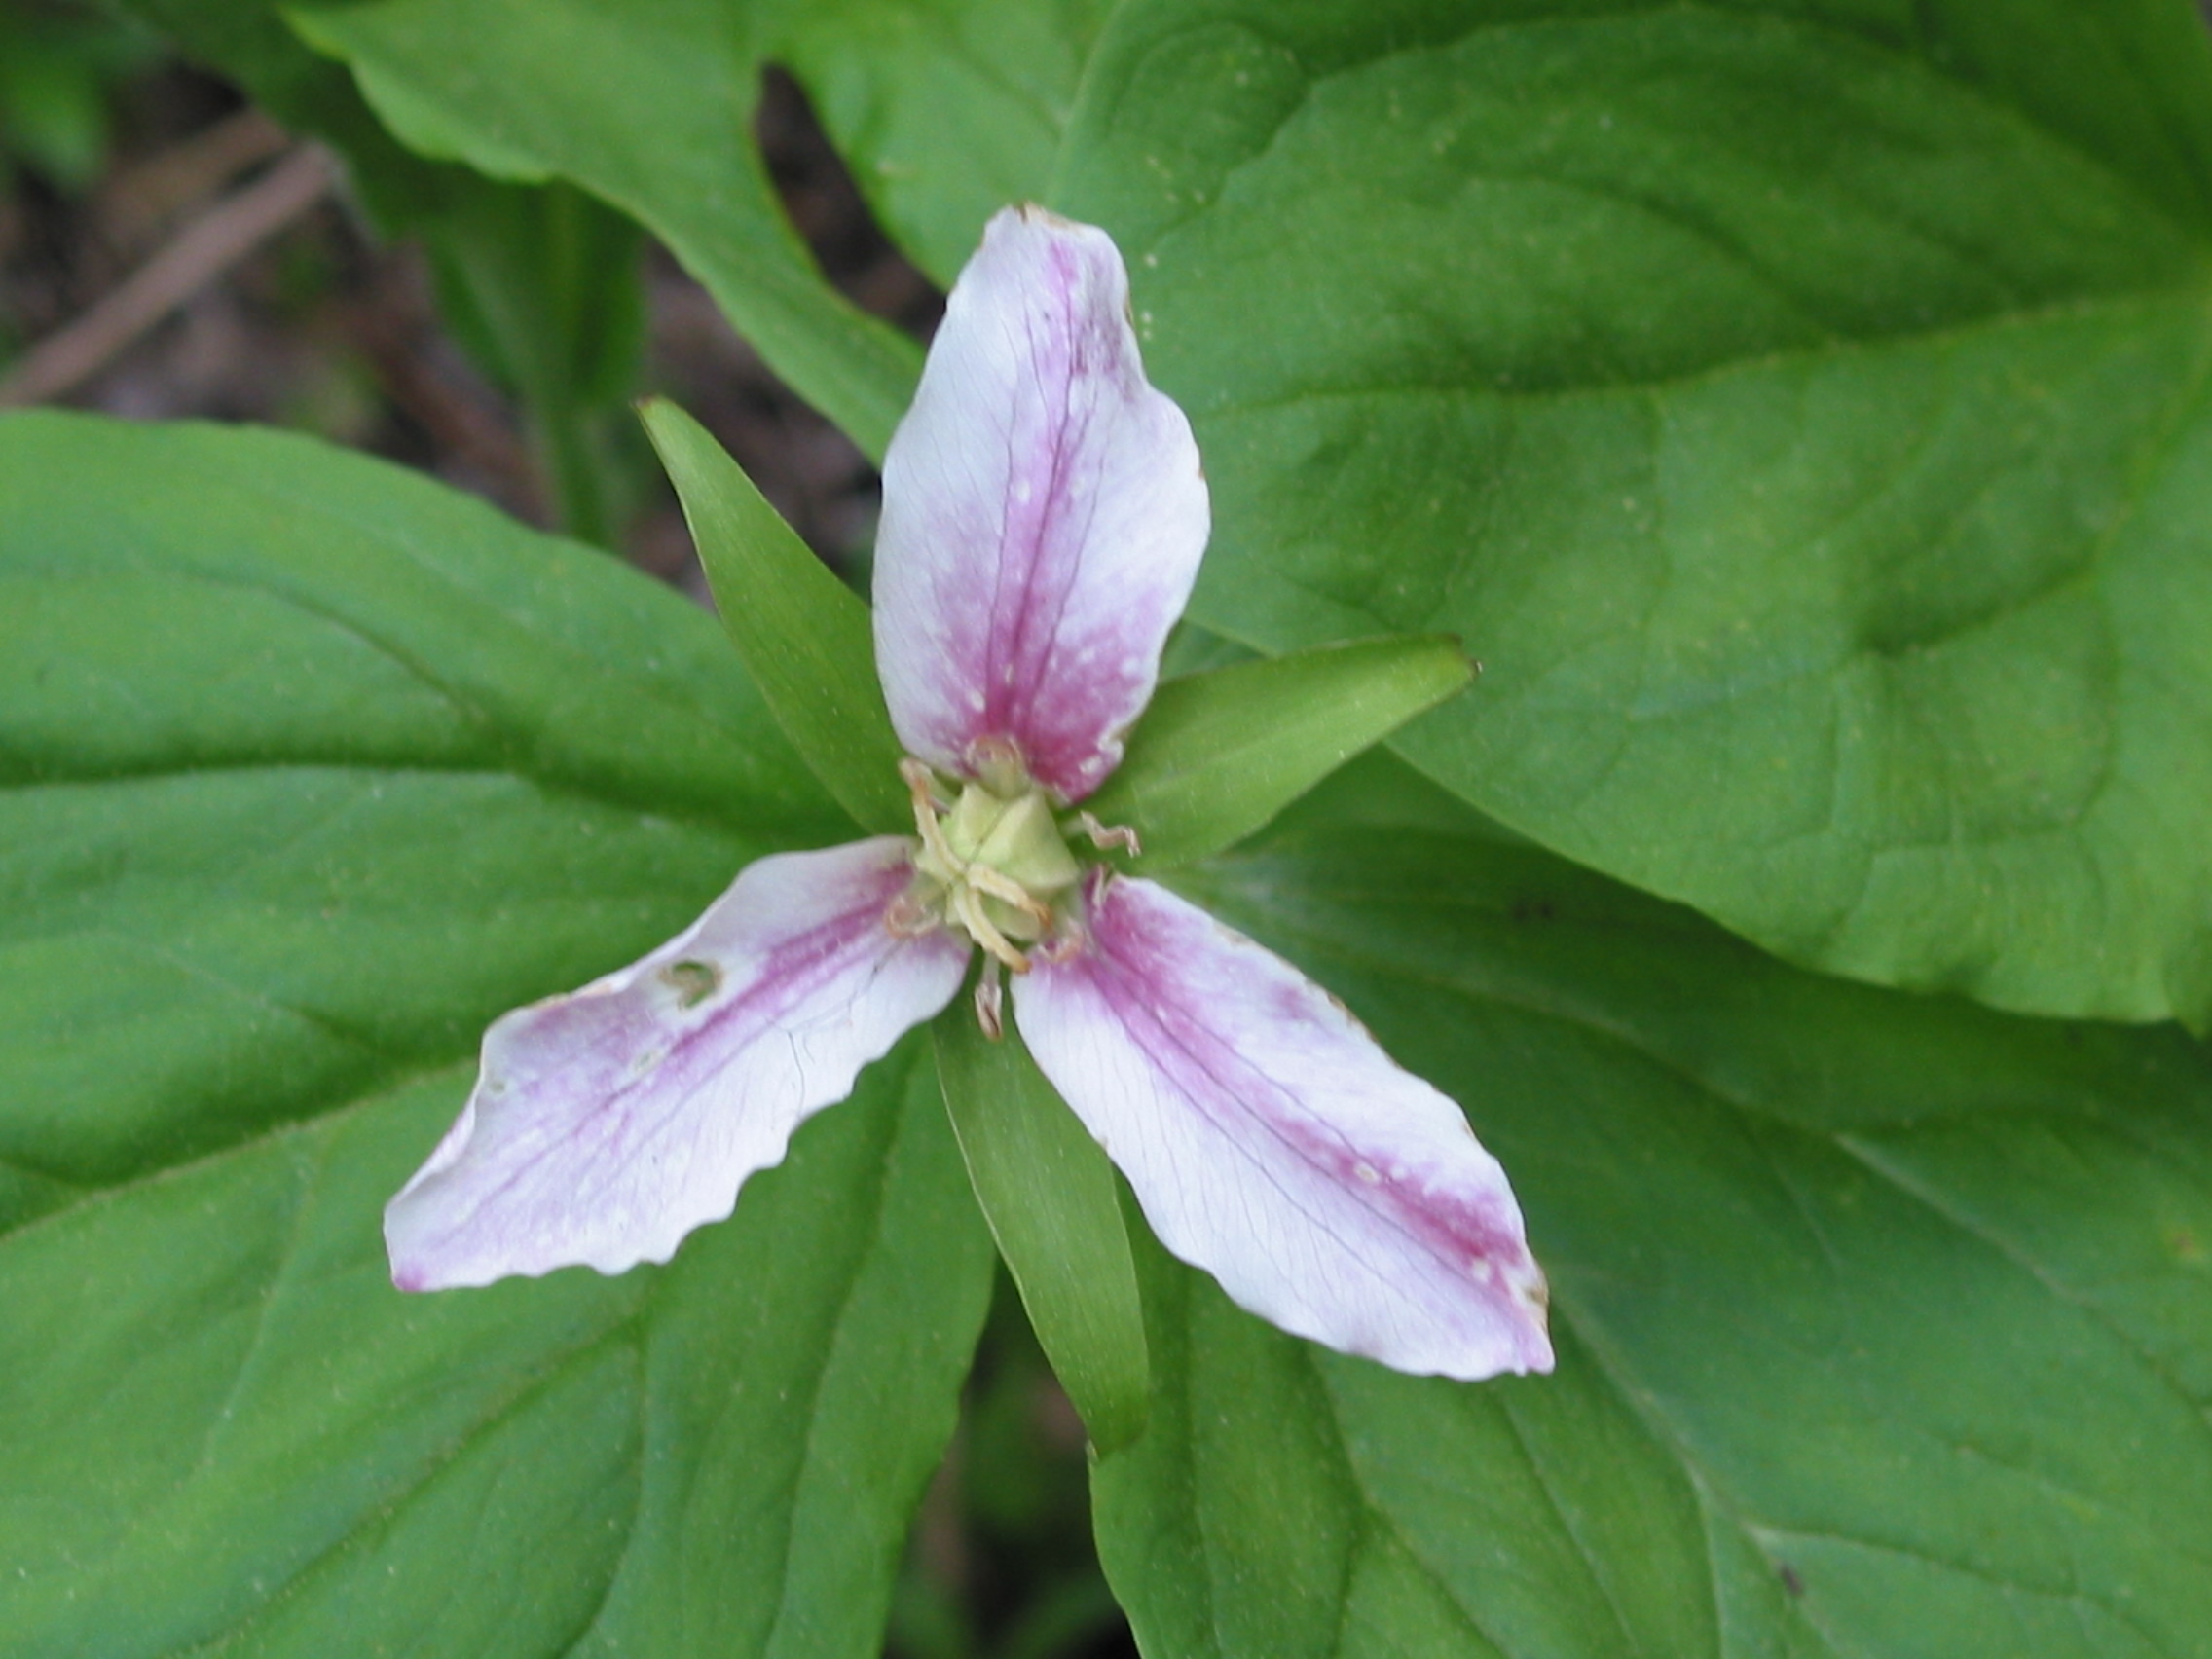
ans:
(556, 786)
(357, 1100)
(2194, 295)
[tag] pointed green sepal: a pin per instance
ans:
(1051, 1198)
(1220, 754)
(805, 638)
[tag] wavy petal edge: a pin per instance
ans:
(609, 1122)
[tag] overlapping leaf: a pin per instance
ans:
(1885, 1325)
(648, 107)
(949, 109)
(1798, 406)
(307, 769)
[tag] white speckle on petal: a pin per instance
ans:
(1367, 1172)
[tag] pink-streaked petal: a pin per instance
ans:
(1043, 515)
(1274, 1144)
(608, 1123)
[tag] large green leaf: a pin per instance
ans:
(306, 770)
(948, 110)
(648, 105)
(1885, 1322)
(1799, 406)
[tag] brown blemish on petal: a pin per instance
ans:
(692, 981)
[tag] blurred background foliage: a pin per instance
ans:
(62, 71)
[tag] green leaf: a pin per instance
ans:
(1800, 406)
(1052, 1199)
(650, 108)
(1219, 754)
(1381, 791)
(1883, 1320)
(805, 636)
(308, 769)
(947, 110)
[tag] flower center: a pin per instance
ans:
(993, 861)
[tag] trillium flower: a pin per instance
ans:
(1043, 514)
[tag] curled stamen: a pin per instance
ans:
(985, 879)
(921, 782)
(986, 861)
(968, 904)
(927, 810)
(1106, 835)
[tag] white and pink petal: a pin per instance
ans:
(1044, 515)
(608, 1123)
(1272, 1142)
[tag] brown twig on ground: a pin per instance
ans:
(201, 252)
(139, 197)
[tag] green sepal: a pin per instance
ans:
(1220, 754)
(1051, 1198)
(805, 638)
